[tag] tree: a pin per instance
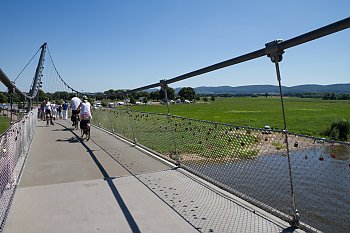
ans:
(15, 97)
(344, 97)
(154, 95)
(205, 99)
(132, 100)
(212, 98)
(3, 98)
(145, 100)
(42, 95)
(170, 93)
(329, 96)
(110, 94)
(104, 103)
(339, 130)
(187, 93)
(139, 94)
(198, 98)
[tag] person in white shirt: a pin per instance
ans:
(75, 103)
(85, 112)
(85, 109)
(48, 111)
(54, 110)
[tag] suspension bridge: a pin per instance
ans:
(149, 172)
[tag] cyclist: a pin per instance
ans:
(85, 112)
(75, 103)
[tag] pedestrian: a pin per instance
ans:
(65, 107)
(48, 112)
(54, 110)
(59, 111)
(42, 107)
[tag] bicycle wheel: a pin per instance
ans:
(88, 134)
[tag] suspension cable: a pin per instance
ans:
(26, 65)
(59, 73)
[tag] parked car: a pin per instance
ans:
(97, 104)
(320, 140)
(266, 130)
(111, 105)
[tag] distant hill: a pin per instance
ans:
(271, 89)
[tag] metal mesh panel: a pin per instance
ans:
(14, 146)
(235, 158)
(154, 131)
(114, 121)
(150, 130)
(321, 174)
(252, 163)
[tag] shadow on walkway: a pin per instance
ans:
(131, 221)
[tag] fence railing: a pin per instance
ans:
(250, 163)
(14, 146)
(286, 174)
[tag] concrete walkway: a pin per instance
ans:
(107, 185)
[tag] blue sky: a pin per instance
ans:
(111, 44)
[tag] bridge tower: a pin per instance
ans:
(34, 90)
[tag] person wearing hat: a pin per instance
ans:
(85, 109)
(85, 112)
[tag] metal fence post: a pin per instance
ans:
(275, 53)
(128, 112)
(164, 86)
(11, 91)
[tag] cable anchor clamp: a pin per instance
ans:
(163, 84)
(273, 51)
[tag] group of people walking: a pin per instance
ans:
(51, 111)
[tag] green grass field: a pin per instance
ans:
(305, 116)
(4, 124)
(192, 137)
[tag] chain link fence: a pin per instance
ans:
(14, 146)
(250, 163)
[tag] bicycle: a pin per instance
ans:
(75, 119)
(85, 128)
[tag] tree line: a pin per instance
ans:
(333, 96)
(186, 93)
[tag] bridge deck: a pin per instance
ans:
(108, 185)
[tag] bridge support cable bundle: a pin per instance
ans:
(14, 147)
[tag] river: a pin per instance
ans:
(321, 181)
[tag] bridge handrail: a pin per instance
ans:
(14, 146)
(10, 85)
(315, 34)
